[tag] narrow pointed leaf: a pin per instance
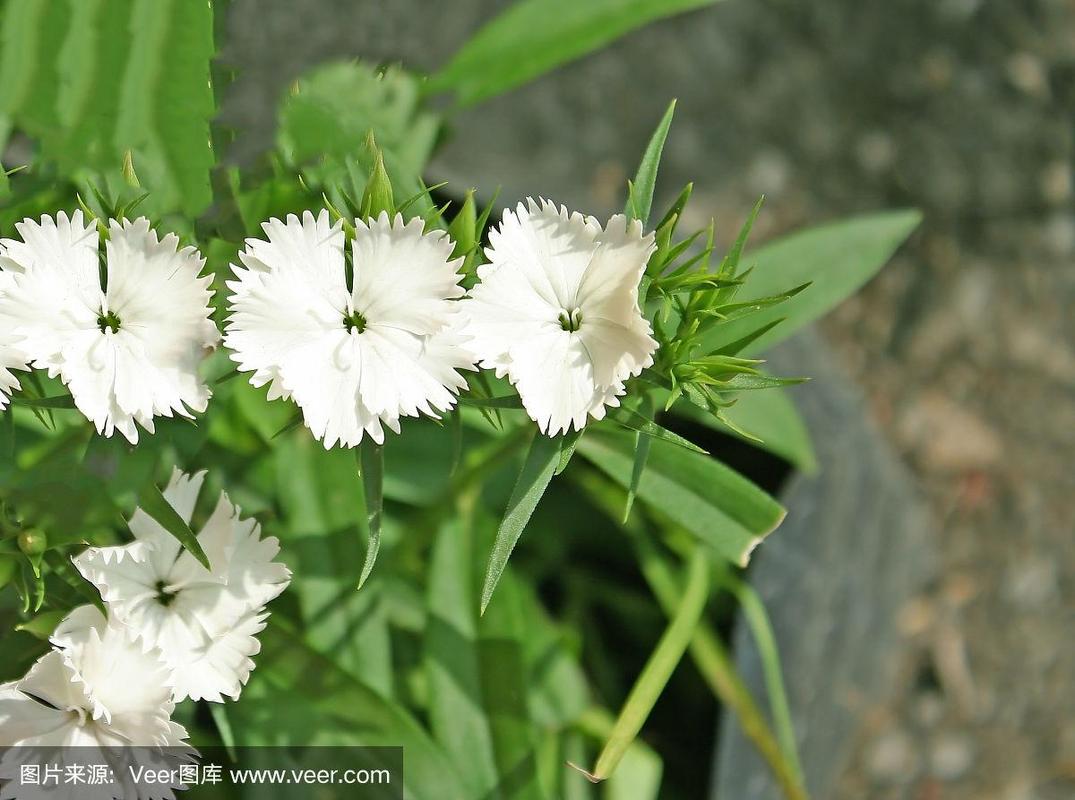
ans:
(634, 421)
(640, 194)
(537, 471)
(371, 460)
(570, 441)
(59, 401)
(532, 37)
(153, 502)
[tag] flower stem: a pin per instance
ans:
(719, 672)
(658, 669)
(758, 620)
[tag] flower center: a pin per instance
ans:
(79, 715)
(108, 322)
(354, 322)
(571, 321)
(164, 597)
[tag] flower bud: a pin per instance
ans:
(33, 542)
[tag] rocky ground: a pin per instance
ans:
(965, 345)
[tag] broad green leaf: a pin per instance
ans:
(771, 417)
(320, 494)
(836, 259)
(640, 198)
(154, 503)
(541, 462)
(166, 102)
(532, 37)
(297, 696)
(453, 661)
(93, 60)
(715, 503)
(33, 33)
(502, 634)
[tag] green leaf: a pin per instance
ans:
(659, 667)
(42, 625)
(640, 194)
(452, 660)
(325, 121)
(770, 417)
(537, 471)
(59, 401)
(371, 459)
(532, 37)
(569, 441)
(634, 421)
(154, 503)
(299, 697)
(166, 102)
(508, 401)
(223, 727)
(715, 503)
(502, 634)
(320, 494)
(837, 259)
(33, 33)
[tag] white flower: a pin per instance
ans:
(354, 359)
(97, 688)
(557, 311)
(128, 351)
(11, 356)
(204, 621)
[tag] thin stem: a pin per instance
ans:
(659, 668)
(706, 648)
(719, 672)
(762, 630)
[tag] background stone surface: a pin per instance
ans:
(964, 347)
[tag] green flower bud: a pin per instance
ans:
(378, 195)
(33, 542)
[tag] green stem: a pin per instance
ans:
(659, 668)
(762, 630)
(706, 648)
(719, 671)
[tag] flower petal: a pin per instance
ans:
(404, 277)
(54, 288)
(552, 271)
(555, 378)
(291, 325)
